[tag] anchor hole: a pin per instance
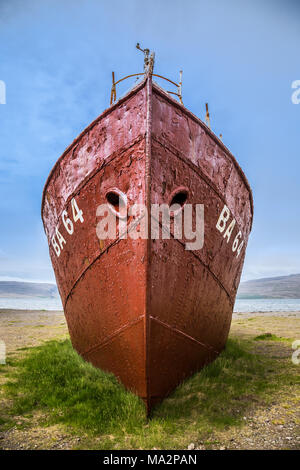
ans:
(178, 198)
(117, 202)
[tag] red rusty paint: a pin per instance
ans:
(149, 311)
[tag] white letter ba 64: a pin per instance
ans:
(226, 226)
(58, 240)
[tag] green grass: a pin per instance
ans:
(53, 379)
(270, 337)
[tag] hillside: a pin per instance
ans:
(27, 289)
(282, 287)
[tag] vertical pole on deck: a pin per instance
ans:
(113, 94)
(207, 118)
(180, 87)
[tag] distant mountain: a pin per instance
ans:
(27, 289)
(282, 287)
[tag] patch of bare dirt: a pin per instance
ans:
(28, 328)
(274, 427)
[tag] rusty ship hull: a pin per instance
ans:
(147, 310)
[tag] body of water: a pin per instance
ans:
(241, 305)
(267, 305)
(31, 303)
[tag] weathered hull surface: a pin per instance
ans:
(149, 311)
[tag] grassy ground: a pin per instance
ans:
(247, 398)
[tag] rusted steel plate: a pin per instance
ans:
(83, 246)
(106, 313)
(147, 310)
(169, 172)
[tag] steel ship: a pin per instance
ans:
(147, 309)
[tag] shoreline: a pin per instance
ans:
(28, 328)
(276, 313)
(271, 313)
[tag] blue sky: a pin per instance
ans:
(56, 58)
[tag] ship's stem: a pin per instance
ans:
(148, 241)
